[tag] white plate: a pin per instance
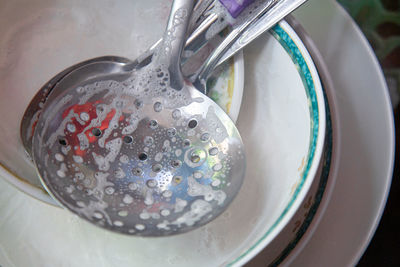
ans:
(341, 235)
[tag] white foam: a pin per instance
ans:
(198, 209)
(59, 157)
(77, 159)
(114, 147)
(180, 204)
(128, 199)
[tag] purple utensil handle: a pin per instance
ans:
(234, 7)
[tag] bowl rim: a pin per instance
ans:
(292, 43)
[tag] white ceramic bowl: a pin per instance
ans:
(282, 122)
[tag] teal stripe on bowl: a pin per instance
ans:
(326, 161)
(298, 59)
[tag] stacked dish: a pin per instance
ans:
(287, 122)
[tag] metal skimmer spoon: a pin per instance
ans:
(140, 152)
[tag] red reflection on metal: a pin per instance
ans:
(90, 109)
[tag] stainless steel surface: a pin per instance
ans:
(140, 152)
(264, 17)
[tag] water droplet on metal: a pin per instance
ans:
(137, 171)
(186, 143)
(205, 137)
(165, 212)
(118, 223)
(138, 103)
(84, 116)
(109, 190)
(176, 163)
(171, 132)
(167, 193)
(151, 183)
(176, 114)
(157, 168)
(148, 140)
(140, 227)
(213, 151)
(123, 213)
(197, 174)
(157, 107)
(132, 186)
(217, 167)
(153, 124)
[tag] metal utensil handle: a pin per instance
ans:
(175, 33)
(267, 21)
(169, 51)
(209, 65)
(276, 9)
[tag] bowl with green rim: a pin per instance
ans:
(282, 122)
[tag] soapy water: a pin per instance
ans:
(180, 162)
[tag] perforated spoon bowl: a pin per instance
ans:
(142, 151)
